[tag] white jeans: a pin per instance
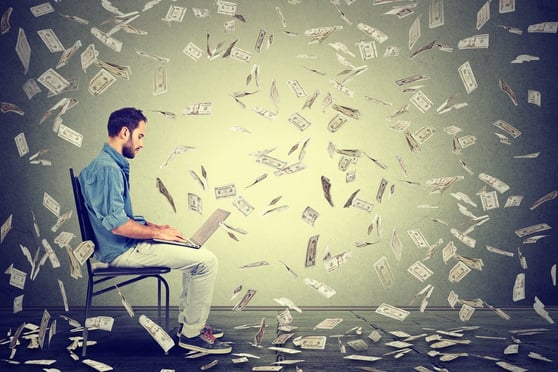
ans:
(199, 271)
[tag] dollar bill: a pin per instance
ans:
(193, 51)
(51, 40)
(528, 230)
(299, 121)
(436, 13)
(494, 182)
(5, 21)
(226, 7)
(421, 101)
(518, 292)
(265, 113)
(83, 251)
(333, 263)
(321, 288)
(481, 41)
(381, 190)
(202, 108)
(53, 81)
(311, 251)
(70, 135)
(513, 201)
(160, 80)
(534, 97)
(6, 227)
(458, 272)
(163, 190)
(392, 312)
(489, 200)
(107, 40)
(538, 306)
(468, 77)
(271, 162)
(195, 203)
(367, 50)
(544, 27)
(21, 144)
(309, 215)
(326, 187)
(418, 238)
(466, 312)
(243, 302)
(100, 82)
(23, 50)
(420, 271)
(548, 197)
(505, 87)
(260, 39)
(414, 32)
(463, 238)
(157, 333)
(483, 15)
(362, 204)
(423, 134)
(88, 57)
(507, 127)
(342, 88)
(51, 204)
(243, 205)
(41, 9)
(68, 54)
(374, 33)
(506, 6)
(297, 88)
(175, 13)
(336, 122)
(384, 272)
(240, 54)
(225, 191)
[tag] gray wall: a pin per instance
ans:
(282, 237)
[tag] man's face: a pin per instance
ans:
(135, 141)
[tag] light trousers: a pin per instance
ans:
(199, 272)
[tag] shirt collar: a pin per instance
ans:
(122, 162)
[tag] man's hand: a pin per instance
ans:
(135, 230)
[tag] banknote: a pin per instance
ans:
(494, 182)
(163, 190)
(362, 204)
(88, 57)
(392, 312)
(421, 101)
(5, 21)
(418, 238)
(70, 135)
(507, 127)
(243, 302)
(21, 144)
(480, 41)
(225, 191)
(518, 292)
(175, 13)
(240, 54)
(41, 9)
(107, 40)
(528, 230)
(420, 271)
(202, 108)
(458, 272)
(51, 40)
(489, 200)
(468, 77)
(436, 13)
(193, 51)
(299, 121)
(483, 15)
(53, 81)
(195, 203)
(160, 84)
(260, 39)
(506, 6)
(322, 288)
(100, 82)
(544, 27)
(309, 215)
(311, 251)
(414, 32)
(534, 97)
(384, 272)
(505, 87)
(374, 33)
(243, 205)
(226, 7)
(157, 333)
(466, 312)
(23, 50)
(336, 122)
(548, 197)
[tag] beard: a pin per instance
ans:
(128, 150)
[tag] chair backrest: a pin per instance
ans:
(83, 217)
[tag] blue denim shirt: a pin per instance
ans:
(105, 187)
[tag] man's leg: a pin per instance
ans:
(199, 272)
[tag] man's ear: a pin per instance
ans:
(124, 132)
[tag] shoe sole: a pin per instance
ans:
(216, 335)
(204, 350)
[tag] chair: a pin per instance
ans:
(101, 275)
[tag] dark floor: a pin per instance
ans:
(129, 347)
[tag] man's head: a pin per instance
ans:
(126, 129)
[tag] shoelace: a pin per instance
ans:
(207, 335)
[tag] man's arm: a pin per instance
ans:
(136, 230)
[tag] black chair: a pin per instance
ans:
(101, 275)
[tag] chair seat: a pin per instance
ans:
(111, 271)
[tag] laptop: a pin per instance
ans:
(203, 233)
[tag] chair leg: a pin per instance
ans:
(159, 300)
(88, 300)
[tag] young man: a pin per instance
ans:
(125, 240)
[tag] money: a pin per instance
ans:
(374, 33)
(23, 50)
(383, 270)
(297, 88)
(417, 238)
(163, 190)
(420, 271)
(466, 312)
(367, 50)
(311, 251)
(160, 79)
(51, 40)
(544, 27)
(534, 97)
(507, 127)
(195, 203)
(175, 13)
(489, 200)
(483, 15)
(392, 312)
(467, 77)
(333, 263)
(548, 197)
(41, 9)
(528, 230)
(240, 54)
(494, 182)
(100, 82)
(226, 7)
(243, 302)
(458, 272)
(6, 228)
(5, 21)
(243, 205)
(88, 57)
(326, 187)
(321, 288)
(193, 51)
(260, 40)
(508, 90)
(414, 32)
(107, 40)
(480, 41)
(225, 191)
(21, 144)
(506, 6)
(157, 332)
(17, 278)
(436, 13)
(421, 101)
(362, 204)
(53, 81)
(299, 121)
(310, 216)
(70, 135)
(518, 293)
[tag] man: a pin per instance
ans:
(125, 240)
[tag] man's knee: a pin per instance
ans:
(208, 264)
